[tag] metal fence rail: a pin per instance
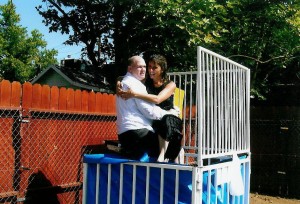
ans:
(186, 81)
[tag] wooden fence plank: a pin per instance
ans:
(77, 102)
(62, 102)
(27, 96)
(92, 102)
(99, 104)
(70, 99)
(85, 101)
(5, 93)
(111, 109)
(37, 96)
(45, 98)
(54, 98)
(105, 102)
(16, 94)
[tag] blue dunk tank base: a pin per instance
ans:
(113, 179)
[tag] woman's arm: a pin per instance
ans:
(157, 99)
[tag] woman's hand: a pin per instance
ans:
(175, 111)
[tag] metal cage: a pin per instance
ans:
(215, 104)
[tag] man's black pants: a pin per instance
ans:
(135, 143)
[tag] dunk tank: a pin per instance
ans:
(214, 103)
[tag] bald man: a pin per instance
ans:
(135, 116)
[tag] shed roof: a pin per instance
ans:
(78, 73)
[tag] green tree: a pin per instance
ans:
(115, 29)
(21, 56)
(260, 34)
(87, 22)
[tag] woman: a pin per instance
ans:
(160, 91)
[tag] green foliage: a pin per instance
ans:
(21, 56)
(184, 25)
(87, 22)
(263, 37)
(260, 34)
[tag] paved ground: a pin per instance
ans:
(263, 199)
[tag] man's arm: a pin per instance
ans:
(150, 110)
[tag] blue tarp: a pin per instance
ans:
(185, 183)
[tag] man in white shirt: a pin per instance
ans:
(135, 116)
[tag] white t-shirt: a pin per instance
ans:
(135, 113)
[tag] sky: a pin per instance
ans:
(30, 19)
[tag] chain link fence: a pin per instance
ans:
(41, 153)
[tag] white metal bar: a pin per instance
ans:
(162, 165)
(222, 109)
(248, 109)
(85, 183)
(208, 98)
(197, 122)
(247, 182)
(245, 111)
(202, 104)
(197, 178)
(97, 183)
(239, 111)
(190, 112)
(216, 184)
(108, 183)
(176, 185)
(244, 176)
(231, 126)
(186, 122)
(184, 111)
(161, 190)
(219, 121)
(227, 107)
(234, 107)
(223, 165)
(227, 153)
(121, 183)
(215, 107)
(208, 187)
(147, 184)
(133, 184)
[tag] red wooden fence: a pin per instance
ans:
(44, 132)
(39, 97)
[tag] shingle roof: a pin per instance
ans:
(78, 73)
